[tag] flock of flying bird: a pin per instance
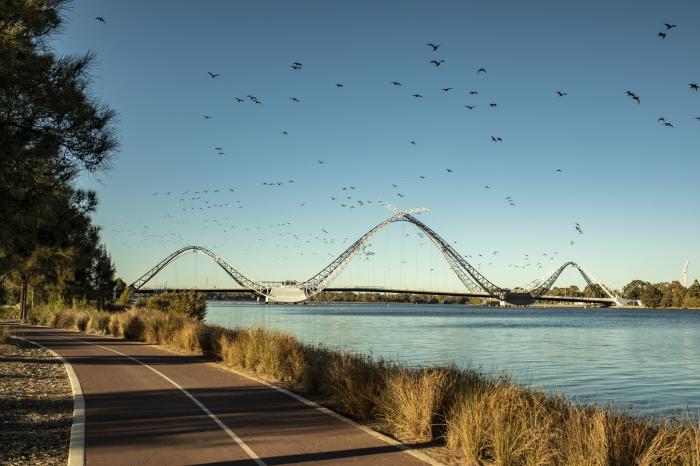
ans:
(348, 196)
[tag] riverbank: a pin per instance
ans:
(472, 417)
(36, 405)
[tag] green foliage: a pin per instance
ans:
(190, 303)
(125, 296)
(352, 297)
(120, 286)
(692, 297)
(633, 290)
(9, 312)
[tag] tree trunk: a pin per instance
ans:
(23, 300)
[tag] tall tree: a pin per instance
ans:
(103, 277)
(51, 129)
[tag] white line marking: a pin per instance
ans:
(206, 411)
(76, 448)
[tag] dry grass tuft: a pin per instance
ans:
(133, 327)
(412, 399)
(356, 383)
(271, 354)
(81, 321)
(99, 323)
(5, 335)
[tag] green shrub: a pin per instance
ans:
(190, 303)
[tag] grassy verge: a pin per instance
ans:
(479, 419)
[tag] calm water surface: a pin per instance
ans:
(647, 360)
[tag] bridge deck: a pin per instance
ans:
(567, 299)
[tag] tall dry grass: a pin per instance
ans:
(5, 335)
(482, 420)
(411, 400)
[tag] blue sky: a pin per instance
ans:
(630, 182)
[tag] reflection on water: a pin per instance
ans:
(647, 360)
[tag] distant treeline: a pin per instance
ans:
(352, 297)
(664, 294)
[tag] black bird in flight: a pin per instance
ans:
(669, 124)
(670, 26)
(662, 35)
(239, 100)
(434, 46)
(418, 96)
(396, 83)
(212, 75)
(206, 117)
(446, 89)
(473, 92)
(633, 95)
(470, 107)
(661, 119)
(481, 70)
(561, 94)
(448, 170)
(339, 85)
(697, 118)
(558, 170)
(437, 62)
(493, 104)
(284, 132)
(294, 99)
(100, 19)
(496, 139)
(295, 66)
(320, 162)
(694, 87)
(413, 142)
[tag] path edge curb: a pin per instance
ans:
(76, 445)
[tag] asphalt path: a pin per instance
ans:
(147, 406)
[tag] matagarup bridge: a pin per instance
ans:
(475, 282)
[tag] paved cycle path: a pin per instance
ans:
(144, 405)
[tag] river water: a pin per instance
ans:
(639, 359)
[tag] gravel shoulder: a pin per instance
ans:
(36, 406)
